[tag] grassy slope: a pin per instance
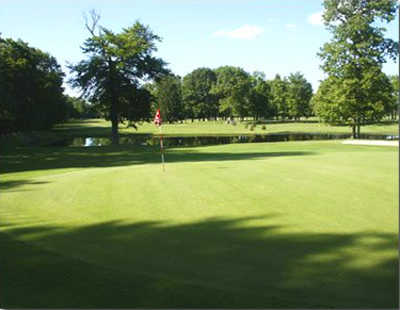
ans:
(301, 224)
(96, 127)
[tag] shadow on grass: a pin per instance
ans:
(27, 159)
(6, 185)
(214, 263)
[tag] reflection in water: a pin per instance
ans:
(149, 140)
(89, 142)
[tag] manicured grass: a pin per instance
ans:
(97, 127)
(279, 225)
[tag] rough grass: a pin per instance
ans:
(97, 127)
(279, 225)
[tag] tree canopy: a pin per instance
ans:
(168, 98)
(353, 61)
(299, 93)
(279, 96)
(393, 106)
(31, 92)
(233, 90)
(116, 66)
(260, 104)
(199, 100)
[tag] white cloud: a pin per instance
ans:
(291, 26)
(247, 32)
(316, 19)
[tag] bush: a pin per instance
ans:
(263, 127)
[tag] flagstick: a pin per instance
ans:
(162, 149)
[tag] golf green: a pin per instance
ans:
(264, 225)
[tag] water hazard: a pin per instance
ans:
(149, 140)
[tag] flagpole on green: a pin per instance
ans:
(158, 122)
(162, 149)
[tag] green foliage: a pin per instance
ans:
(233, 89)
(260, 97)
(393, 105)
(353, 61)
(299, 94)
(338, 100)
(80, 108)
(168, 97)
(198, 98)
(279, 96)
(136, 105)
(31, 93)
(117, 62)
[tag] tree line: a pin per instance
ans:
(31, 92)
(228, 92)
(121, 80)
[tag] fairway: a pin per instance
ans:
(264, 225)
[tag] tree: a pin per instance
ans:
(198, 99)
(279, 96)
(336, 100)
(168, 97)
(393, 105)
(353, 60)
(80, 108)
(116, 66)
(298, 96)
(233, 91)
(31, 92)
(260, 97)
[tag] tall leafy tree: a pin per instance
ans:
(353, 60)
(116, 66)
(260, 97)
(199, 101)
(279, 96)
(335, 101)
(298, 96)
(168, 97)
(31, 92)
(233, 89)
(393, 105)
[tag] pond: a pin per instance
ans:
(149, 140)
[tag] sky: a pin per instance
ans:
(273, 36)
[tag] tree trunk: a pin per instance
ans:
(114, 125)
(113, 107)
(354, 135)
(358, 131)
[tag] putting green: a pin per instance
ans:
(300, 224)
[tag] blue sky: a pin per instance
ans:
(273, 36)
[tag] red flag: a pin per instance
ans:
(157, 118)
